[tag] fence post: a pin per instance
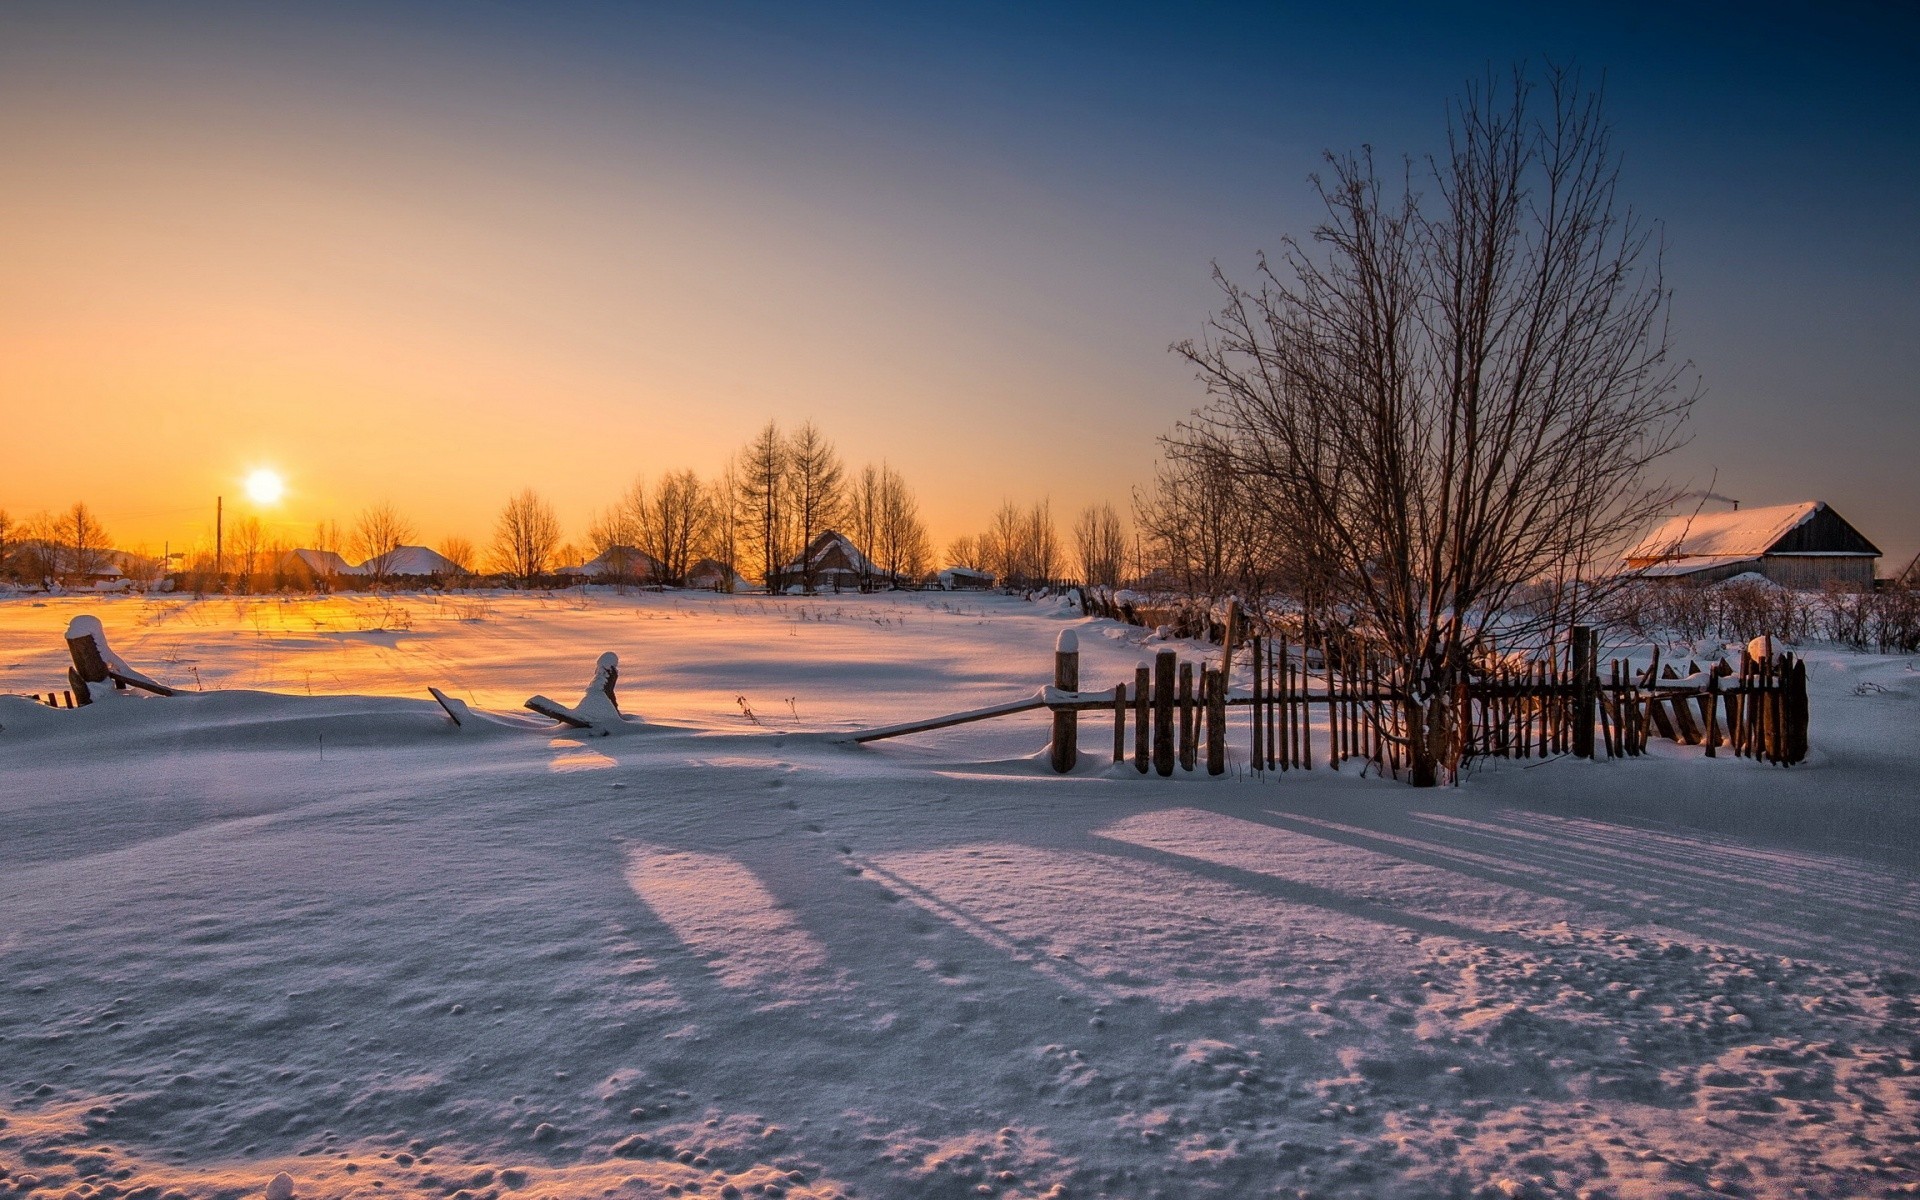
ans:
(1142, 721)
(1217, 723)
(1119, 722)
(1259, 695)
(89, 666)
(1163, 669)
(1585, 688)
(1066, 721)
(1186, 716)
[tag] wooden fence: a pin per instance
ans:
(1334, 702)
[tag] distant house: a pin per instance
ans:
(320, 564)
(710, 574)
(417, 562)
(831, 562)
(964, 579)
(1803, 545)
(625, 564)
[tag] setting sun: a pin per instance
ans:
(265, 487)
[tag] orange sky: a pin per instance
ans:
(438, 311)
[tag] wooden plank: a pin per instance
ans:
(453, 708)
(1120, 722)
(1033, 702)
(548, 708)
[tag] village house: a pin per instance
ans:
(619, 564)
(830, 563)
(1805, 545)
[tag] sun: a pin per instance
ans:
(265, 486)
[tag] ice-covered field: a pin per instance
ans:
(326, 933)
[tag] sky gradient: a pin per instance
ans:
(433, 254)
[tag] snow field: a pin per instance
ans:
(336, 937)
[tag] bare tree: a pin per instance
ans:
(817, 484)
(85, 543)
(1040, 545)
(1101, 544)
(377, 538)
(615, 536)
(1459, 392)
(1000, 550)
(247, 537)
(1203, 523)
(458, 551)
(723, 537)
(9, 543)
(864, 514)
(964, 551)
(762, 496)
(525, 537)
(675, 523)
(899, 545)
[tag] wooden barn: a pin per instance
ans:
(1805, 545)
(831, 562)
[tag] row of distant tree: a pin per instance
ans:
(752, 520)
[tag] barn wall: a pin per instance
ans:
(1814, 571)
(1824, 531)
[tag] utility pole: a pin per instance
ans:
(219, 534)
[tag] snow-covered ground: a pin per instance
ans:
(327, 933)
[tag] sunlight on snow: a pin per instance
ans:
(1106, 925)
(1310, 857)
(574, 756)
(722, 912)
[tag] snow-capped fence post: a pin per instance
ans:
(1066, 721)
(1586, 688)
(1163, 669)
(89, 666)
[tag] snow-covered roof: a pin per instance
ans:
(1675, 567)
(417, 560)
(824, 544)
(325, 562)
(616, 560)
(1742, 533)
(966, 573)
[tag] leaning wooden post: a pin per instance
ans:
(1217, 724)
(1066, 721)
(1584, 688)
(1142, 717)
(1164, 665)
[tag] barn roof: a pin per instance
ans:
(1807, 527)
(818, 556)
